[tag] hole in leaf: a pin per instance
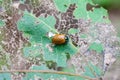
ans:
(59, 68)
(51, 64)
(104, 17)
(68, 56)
(90, 7)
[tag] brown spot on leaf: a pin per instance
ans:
(90, 7)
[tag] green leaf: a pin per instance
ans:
(97, 15)
(37, 29)
(59, 58)
(69, 69)
(5, 76)
(42, 67)
(58, 53)
(32, 51)
(96, 46)
(32, 75)
(2, 23)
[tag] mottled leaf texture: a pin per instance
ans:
(37, 29)
(96, 15)
(78, 19)
(92, 70)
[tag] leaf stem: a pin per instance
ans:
(48, 71)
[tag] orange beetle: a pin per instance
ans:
(59, 39)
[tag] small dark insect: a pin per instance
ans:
(59, 39)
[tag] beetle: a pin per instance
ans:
(59, 39)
